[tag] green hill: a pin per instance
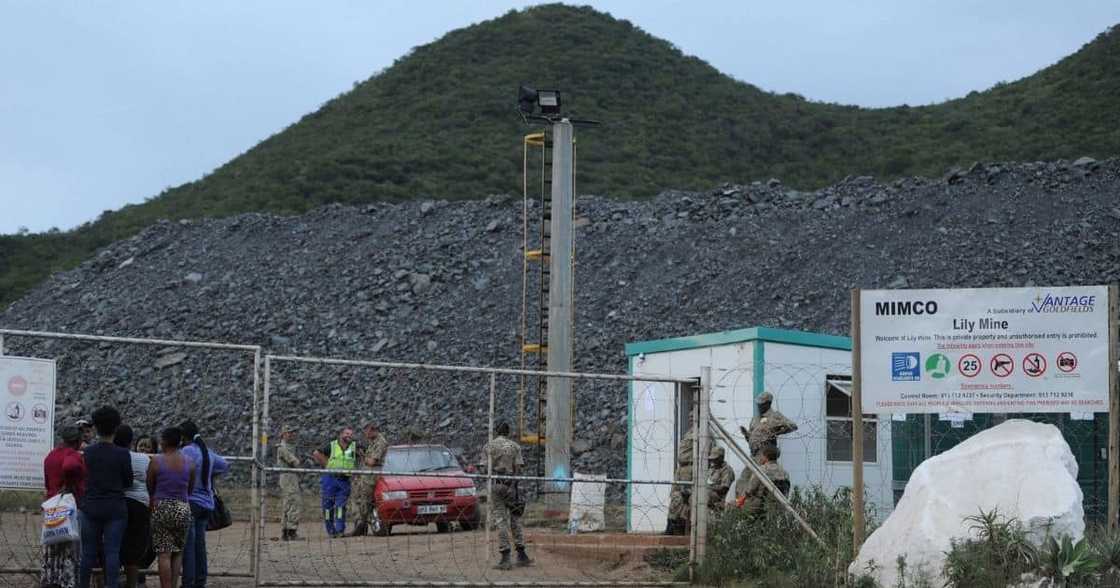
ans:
(440, 123)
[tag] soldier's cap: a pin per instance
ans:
(70, 434)
(288, 428)
(764, 398)
(715, 453)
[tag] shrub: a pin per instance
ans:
(998, 556)
(1106, 549)
(1068, 564)
(772, 550)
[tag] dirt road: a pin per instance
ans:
(410, 554)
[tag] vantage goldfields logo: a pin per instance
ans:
(1058, 304)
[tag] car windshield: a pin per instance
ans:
(419, 459)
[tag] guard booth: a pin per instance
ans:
(809, 375)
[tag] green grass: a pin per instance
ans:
(440, 123)
(18, 500)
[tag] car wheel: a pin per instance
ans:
(378, 527)
(443, 527)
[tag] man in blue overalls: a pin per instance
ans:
(339, 454)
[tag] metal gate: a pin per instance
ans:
(231, 554)
(418, 554)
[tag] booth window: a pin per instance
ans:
(838, 418)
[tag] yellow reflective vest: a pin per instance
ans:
(341, 459)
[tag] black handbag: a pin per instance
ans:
(219, 517)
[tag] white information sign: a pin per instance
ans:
(27, 388)
(984, 350)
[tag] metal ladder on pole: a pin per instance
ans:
(536, 267)
(535, 258)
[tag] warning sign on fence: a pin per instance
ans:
(985, 350)
(27, 422)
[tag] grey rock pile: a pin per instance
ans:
(440, 282)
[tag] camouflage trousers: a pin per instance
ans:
(680, 507)
(291, 502)
(361, 498)
(506, 523)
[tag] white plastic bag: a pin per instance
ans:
(60, 519)
(587, 504)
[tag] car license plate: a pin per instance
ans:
(428, 509)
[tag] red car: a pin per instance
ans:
(417, 500)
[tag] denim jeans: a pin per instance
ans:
(194, 554)
(104, 526)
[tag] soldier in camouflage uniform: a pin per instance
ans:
(371, 456)
(679, 505)
(720, 478)
(756, 497)
(290, 499)
(506, 459)
(766, 425)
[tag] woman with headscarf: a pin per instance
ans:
(64, 471)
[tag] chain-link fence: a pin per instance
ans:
(430, 511)
(817, 398)
(917, 437)
(213, 384)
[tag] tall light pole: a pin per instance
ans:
(558, 437)
(544, 106)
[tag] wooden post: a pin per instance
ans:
(857, 430)
(1113, 407)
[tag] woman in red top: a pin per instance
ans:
(64, 471)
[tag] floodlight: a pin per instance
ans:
(544, 106)
(549, 101)
(530, 101)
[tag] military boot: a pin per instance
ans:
(286, 535)
(504, 564)
(523, 560)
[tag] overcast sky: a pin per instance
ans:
(107, 103)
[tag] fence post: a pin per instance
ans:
(490, 462)
(1113, 407)
(698, 509)
(700, 473)
(254, 491)
(258, 546)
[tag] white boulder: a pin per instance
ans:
(1024, 469)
